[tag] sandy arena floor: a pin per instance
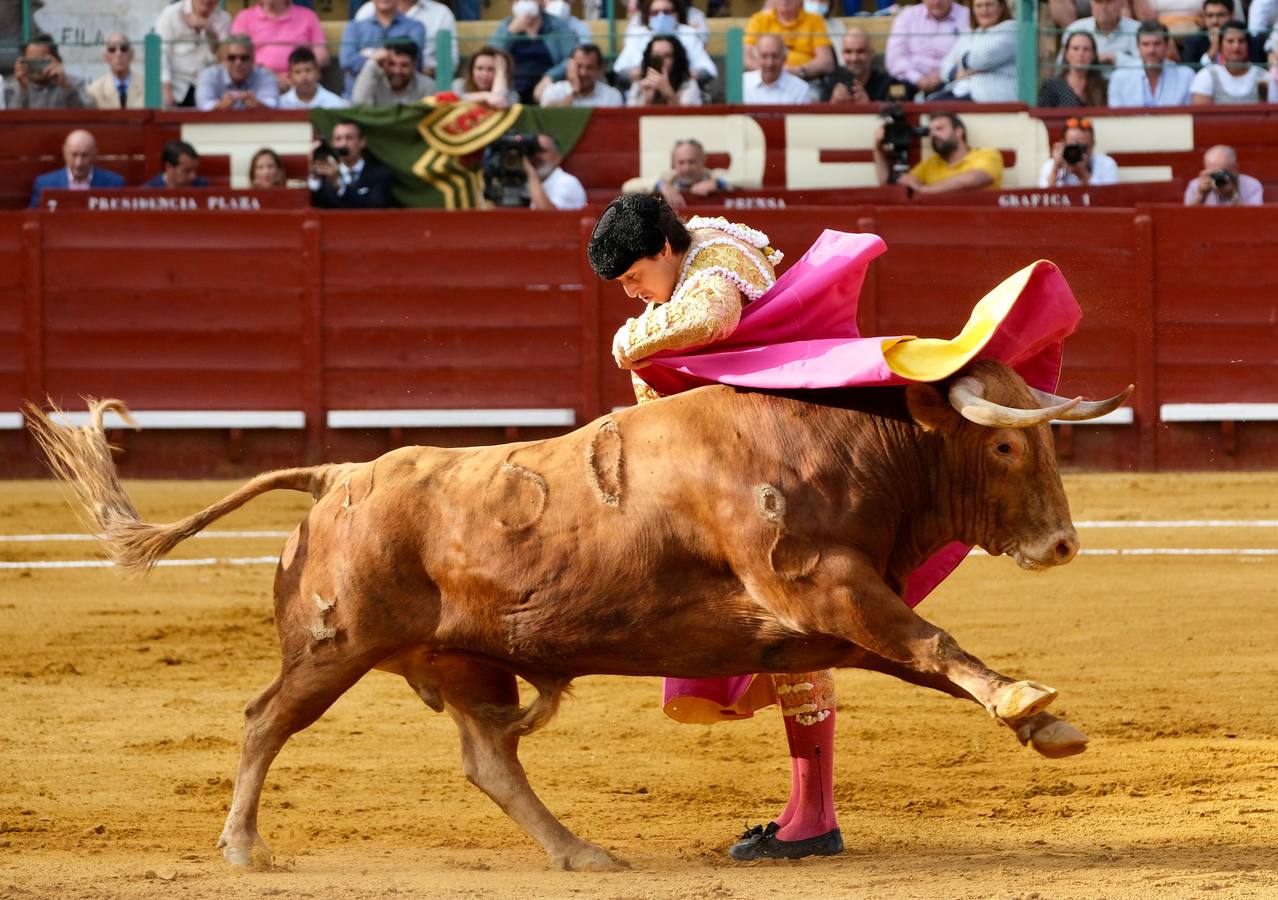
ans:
(120, 705)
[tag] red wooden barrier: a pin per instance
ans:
(313, 311)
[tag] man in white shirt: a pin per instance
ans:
(1115, 34)
(190, 32)
(1156, 82)
(305, 91)
(1075, 160)
(550, 187)
(771, 83)
(435, 17)
(581, 86)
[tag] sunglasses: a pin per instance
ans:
(238, 57)
(118, 48)
(1085, 124)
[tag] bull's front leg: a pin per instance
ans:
(846, 598)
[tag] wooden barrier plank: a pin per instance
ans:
(227, 349)
(164, 269)
(159, 234)
(177, 388)
(474, 266)
(106, 308)
(416, 348)
(516, 305)
(453, 389)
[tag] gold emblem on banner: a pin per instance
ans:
(453, 130)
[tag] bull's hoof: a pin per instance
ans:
(588, 858)
(249, 853)
(1022, 699)
(1058, 739)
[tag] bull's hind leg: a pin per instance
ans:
(304, 689)
(484, 702)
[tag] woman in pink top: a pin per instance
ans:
(277, 27)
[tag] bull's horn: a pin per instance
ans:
(967, 395)
(1088, 409)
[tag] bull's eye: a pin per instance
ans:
(1005, 448)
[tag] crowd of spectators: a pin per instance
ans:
(937, 50)
(273, 53)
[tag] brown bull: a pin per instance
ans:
(716, 532)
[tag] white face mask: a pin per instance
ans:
(560, 8)
(816, 7)
(524, 9)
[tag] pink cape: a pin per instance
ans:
(803, 334)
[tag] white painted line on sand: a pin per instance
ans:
(167, 563)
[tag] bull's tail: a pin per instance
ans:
(81, 457)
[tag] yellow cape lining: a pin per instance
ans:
(931, 359)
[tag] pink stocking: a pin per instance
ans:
(810, 810)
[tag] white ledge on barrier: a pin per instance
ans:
(1218, 412)
(195, 419)
(10, 421)
(1124, 415)
(449, 418)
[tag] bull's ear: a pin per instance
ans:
(931, 409)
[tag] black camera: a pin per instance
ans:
(505, 181)
(324, 150)
(1221, 178)
(1074, 153)
(898, 137)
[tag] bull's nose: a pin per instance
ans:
(1066, 548)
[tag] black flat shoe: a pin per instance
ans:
(762, 843)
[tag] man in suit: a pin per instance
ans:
(117, 88)
(343, 178)
(181, 168)
(80, 151)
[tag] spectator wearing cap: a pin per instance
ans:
(1157, 82)
(181, 168)
(921, 36)
(1075, 160)
(41, 82)
(365, 40)
(117, 88)
(190, 32)
(80, 153)
(237, 82)
(276, 27)
(435, 17)
(770, 83)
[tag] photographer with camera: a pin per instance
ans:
(342, 178)
(1075, 161)
(40, 81)
(1221, 184)
(953, 165)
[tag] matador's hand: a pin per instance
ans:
(619, 349)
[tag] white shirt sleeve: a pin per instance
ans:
(1045, 175)
(1104, 170)
(1202, 83)
(556, 93)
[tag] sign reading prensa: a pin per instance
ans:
(163, 200)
